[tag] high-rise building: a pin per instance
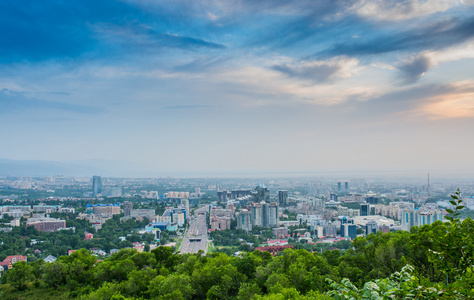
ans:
(339, 186)
(220, 223)
(96, 185)
(372, 200)
(223, 196)
(283, 198)
(244, 220)
(272, 215)
(349, 230)
(263, 194)
(428, 216)
(425, 215)
(364, 209)
(127, 209)
(264, 214)
(185, 204)
(371, 227)
(409, 219)
(257, 214)
(330, 230)
(346, 185)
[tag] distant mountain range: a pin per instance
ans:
(86, 168)
(48, 168)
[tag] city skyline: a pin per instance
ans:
(238, 86)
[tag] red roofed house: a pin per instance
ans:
(139, 247)
(277, 242)
(273, 250)
(88, 236)
(14, 258)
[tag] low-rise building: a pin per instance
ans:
(14, 258)
(142, 213)
(46, 224)
(274, 249)
(280, 232)
(50, 259)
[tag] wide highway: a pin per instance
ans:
(195, 238)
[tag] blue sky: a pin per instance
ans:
(245, 86)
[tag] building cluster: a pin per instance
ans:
(176, 197)
(349, 212)
(371, 216)
(172, 218)
(150, 194)
(139, 214)
(260, 214)
(425, 215)
(99, 190)
(36, 216)
(26, 211)
(251, 208)
(394, 209)
(98, 214)
(340, 186)
(224, 196)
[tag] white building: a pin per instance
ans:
(425, 215)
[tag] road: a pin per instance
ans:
(195, 238)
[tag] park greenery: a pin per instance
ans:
(24, 240)
(430, 262)
(231, 241)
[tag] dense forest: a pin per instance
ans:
(429, 262)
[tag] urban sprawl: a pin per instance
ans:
(191, 215)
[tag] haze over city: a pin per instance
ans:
(145, 88)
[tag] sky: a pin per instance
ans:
(239, 85)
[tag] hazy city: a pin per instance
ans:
(241, 149)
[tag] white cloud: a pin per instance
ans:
(401, 10)
(318, 71)
(462, 51)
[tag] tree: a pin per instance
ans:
(165, 257)
(110, 291)
(138, 281)
(55, 274)
(178, 282)
(453, 249)
(248, 291)
(20, 275)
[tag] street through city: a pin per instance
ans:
(195, 238)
